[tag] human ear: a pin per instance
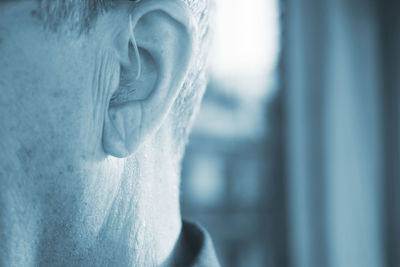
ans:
(151, 74)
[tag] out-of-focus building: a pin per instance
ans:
(230, 178)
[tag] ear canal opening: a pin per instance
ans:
(135, 47)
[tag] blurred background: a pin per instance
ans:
(294, 159)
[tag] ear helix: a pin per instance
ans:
(135, 47)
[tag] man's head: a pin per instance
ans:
(96, 99)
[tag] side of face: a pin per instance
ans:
(72, 109)
(47, 105)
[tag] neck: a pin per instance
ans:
(131, 221)
(151, 213)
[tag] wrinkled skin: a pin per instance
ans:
(63, 200)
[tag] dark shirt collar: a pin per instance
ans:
(200, 244)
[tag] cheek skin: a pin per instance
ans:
(55, 89)
(55, 93)
(105, 81)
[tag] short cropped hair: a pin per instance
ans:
(81, 14)
(71, 14)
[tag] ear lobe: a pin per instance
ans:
(164, 33)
